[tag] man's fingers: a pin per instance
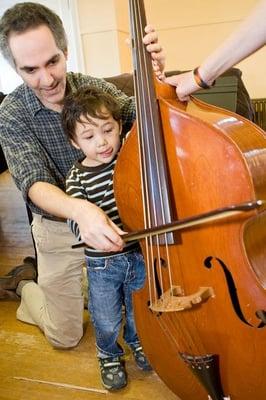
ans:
(150, 38)
(149, 28)
(107, 241)
(117, 229)
(151, 35)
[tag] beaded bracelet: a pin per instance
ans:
(199, 81)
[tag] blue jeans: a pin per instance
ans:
(111, 283)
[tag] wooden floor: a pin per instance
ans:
(30, 369)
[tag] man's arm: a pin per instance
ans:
(96, 229)
(29, 167)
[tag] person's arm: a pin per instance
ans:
(29, 167)
(76, 190)
(248, 38)
(96, 229)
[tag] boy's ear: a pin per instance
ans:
(120, 126)
(74, 144)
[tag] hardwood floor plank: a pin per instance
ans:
(24, 351)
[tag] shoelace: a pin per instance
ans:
(110, 364)
(138, 349)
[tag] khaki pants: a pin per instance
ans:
(56, 303)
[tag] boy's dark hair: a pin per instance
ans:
(25, 16)
(87, 102)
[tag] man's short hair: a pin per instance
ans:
(26, 16)
(86, 102)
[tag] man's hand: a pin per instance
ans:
(157, 54)
(96, 229)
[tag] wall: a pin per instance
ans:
(188, 31)
(104, 29)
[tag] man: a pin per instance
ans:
(33, 40)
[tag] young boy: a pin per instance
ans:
(92, 122)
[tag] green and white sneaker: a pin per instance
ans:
(140, 358)
(113, 373)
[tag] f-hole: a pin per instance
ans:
(261, 314)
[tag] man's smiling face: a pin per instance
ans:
(41, 64)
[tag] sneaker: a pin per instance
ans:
(25, 271)
(141, 359)
(113, 373)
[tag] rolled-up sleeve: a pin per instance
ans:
(34, 143)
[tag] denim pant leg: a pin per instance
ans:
(105, 303)
(134, 280)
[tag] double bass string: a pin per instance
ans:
(142, 126)
(147, 210)
(138, 88)
(141, 87)
(146, 125)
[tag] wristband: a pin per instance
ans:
(199, 81)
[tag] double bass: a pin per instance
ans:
(190, 184)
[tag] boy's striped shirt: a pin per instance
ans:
(96, 185)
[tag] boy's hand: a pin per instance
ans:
(154, 47)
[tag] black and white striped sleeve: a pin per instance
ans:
(74, 188)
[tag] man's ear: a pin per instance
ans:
(74, 144)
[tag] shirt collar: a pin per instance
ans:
(34, 103)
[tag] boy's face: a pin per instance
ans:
(41, 65)
(98, 138)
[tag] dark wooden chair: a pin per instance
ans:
(3, 164)
(228, 92)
